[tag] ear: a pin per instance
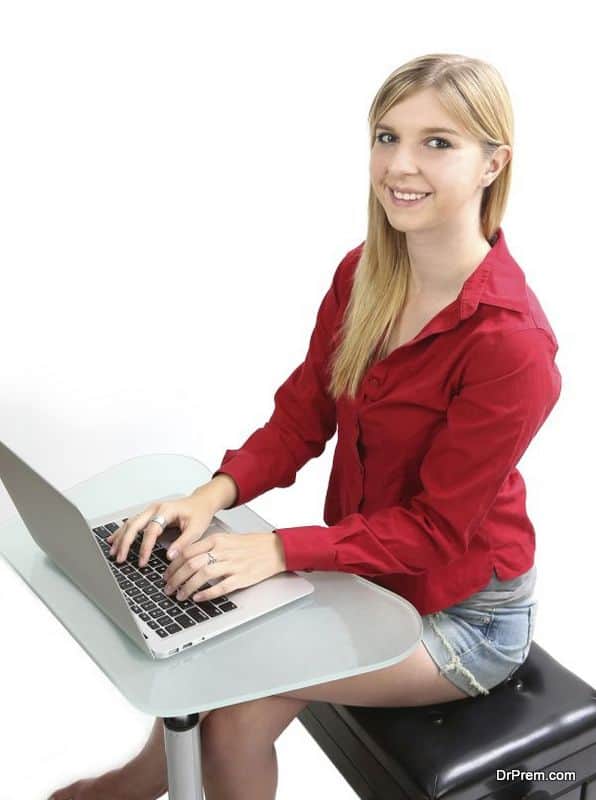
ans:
(499, 159)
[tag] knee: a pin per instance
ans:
(231, 733)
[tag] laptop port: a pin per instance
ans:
(188, 644)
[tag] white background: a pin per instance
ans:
(179, 183)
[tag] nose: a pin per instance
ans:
(401, 161)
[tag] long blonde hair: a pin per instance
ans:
(474, 94)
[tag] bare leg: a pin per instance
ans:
(240, 761)
(251, 778)
(143, 778)
(239, 758)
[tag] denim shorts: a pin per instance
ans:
(475, 648)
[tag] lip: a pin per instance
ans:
(407, 203)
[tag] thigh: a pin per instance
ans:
(203, 716)
(414, 681)
(247, 727)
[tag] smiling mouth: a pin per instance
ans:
(407, 203)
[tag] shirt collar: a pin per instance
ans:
(497, 281)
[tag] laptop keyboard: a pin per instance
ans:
(143, 588)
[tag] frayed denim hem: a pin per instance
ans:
(455, 663)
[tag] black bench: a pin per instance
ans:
(543, 718)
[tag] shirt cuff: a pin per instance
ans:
(241, 473)
(307, 547)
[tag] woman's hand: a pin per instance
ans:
(241, 559)
(191, 514)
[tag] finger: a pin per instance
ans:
(189, 538)
(185, 572)
(131, 528)
(116, 534)
(189, 551)
(152, 531)
(116, 547)
(199, 578)
(114, 538)
(211, 592)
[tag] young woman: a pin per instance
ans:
(433, 359)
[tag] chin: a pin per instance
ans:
(407, 224)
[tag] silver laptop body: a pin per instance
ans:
(131, 597)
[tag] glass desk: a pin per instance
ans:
(347, 626)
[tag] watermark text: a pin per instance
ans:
(536, 775)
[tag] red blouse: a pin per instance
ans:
(424, 496)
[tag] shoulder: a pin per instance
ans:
(524, 354)
(506, 300)
(537, 317)
(511, 344)
(507, 315)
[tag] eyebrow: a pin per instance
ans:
(422, 130)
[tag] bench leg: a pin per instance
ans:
(182, 739)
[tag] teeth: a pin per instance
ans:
(401, 196)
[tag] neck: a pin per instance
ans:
(441, 263)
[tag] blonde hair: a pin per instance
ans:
(474, 94)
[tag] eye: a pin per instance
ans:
(446, 144)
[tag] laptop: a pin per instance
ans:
(130, 596)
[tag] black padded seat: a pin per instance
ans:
(543, 718)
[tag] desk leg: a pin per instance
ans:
(182, 738)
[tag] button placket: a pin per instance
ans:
(360, 487)
(372, 383)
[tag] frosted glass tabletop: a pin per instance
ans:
(347, 626)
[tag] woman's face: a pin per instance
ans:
(450, 166)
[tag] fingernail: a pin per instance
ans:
(172, 553)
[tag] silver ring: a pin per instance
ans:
(160, 519)
(211, 558)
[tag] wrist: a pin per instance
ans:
(220, 492)
(280, 554)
